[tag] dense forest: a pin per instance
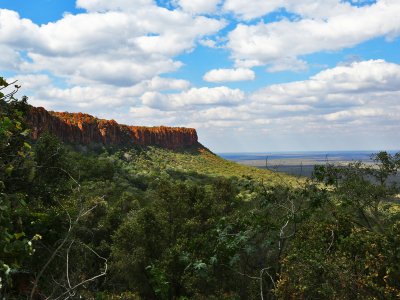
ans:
(95, 222)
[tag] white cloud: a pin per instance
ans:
(98, 99)
(209, 43)
(257, 8)
(352, 85)
(218, 96)
(32, 81)
(354, 98)
(362, 76)
(349, 115)
(344, 26)
(128, 42)
(9, 59)
(198, 6)
(288, 63)
(104, 5)
(304, 8)
(225, 75)
(163, 84)
(152, 117)
(335, 108)
(224, 113)
(16, 33)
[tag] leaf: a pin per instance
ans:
(6, 123)
(213, 260)
(9, 170)
(19, 235)
(3, 82)
(200, 266)
(25, 133)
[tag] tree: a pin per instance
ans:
(9, 93)
(345, 248)
(16, 172)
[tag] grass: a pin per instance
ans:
(202, 161)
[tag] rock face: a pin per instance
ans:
(85, 129)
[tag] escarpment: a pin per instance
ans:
(80, 128)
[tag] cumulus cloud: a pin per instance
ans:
(243, 10)
(359, 98)
(165, 84)
(225, 75)
(9, 59)
(350, 115)
(98, 99)
(349, 96)
(104, 5)
(354, 100)
(304, 8)
(224, 113)
(348, 85)
(195, 97)
(320, 28)
(151, 116)
(32, 81)
(116, 42)
(287, 63)
(198, 6)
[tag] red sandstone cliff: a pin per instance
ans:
(82, 128)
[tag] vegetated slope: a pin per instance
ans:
(84, 129)
(133, 222)
(200, 160)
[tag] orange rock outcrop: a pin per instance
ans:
(85, 129)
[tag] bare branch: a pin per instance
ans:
(103, 273)
(2, 88)
(330, 245)
(69, 248)
(53, 255)
(281, 235)
(71, 289)
(10, 95)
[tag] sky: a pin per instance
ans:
(250, 76)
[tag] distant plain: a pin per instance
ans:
(299, 163)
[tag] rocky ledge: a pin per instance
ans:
(80, 128)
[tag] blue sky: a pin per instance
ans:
(259, 76)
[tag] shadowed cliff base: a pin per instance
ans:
(80, 128)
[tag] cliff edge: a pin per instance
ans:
(80, 128)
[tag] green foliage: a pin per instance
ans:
(179, 221)
(16, 172)
(346, 250)
(386, 165)
(188, 225)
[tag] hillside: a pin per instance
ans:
(85, 217)
(200, 160)
(84, 129)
